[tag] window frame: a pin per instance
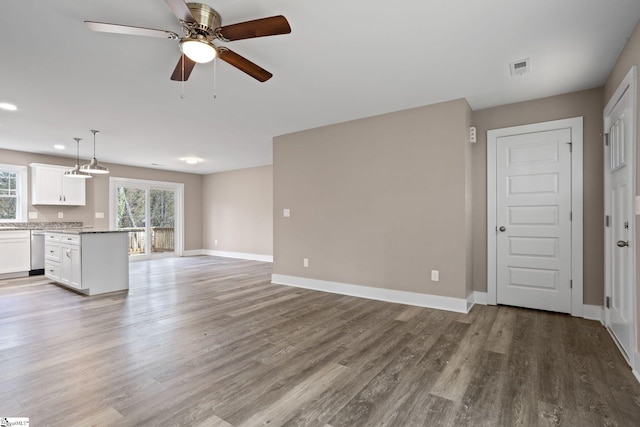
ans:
(22, 192)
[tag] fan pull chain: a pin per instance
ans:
(215, 75)
(182, 79)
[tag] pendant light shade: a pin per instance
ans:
(76, 172)
(93, 166)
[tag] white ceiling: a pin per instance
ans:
(342, 61)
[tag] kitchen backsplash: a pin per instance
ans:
(41, 225)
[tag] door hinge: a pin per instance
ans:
(607, 302)
(571, 216)
(606, 139)
(606, 220)
(570, 284)
(570, 146)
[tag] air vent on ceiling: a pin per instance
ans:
(520, 67)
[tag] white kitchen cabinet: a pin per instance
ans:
(50, 186)
(15, 251)
(90, 262)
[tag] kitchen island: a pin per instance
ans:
(88, 261)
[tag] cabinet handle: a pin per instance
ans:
(64, 198)
(68, 251)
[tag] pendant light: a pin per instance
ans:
(93, 166)
(76, 172)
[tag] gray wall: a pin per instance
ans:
(378, 202)
(585, 103)
(238, 211)
(629, 57)
(98, 194)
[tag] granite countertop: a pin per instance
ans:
(55, 227)
(82, 231)
(40, 226)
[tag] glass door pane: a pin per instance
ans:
(162, 220)
(132, 216)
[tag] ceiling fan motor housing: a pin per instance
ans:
(207, 20)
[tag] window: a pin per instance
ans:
(13, 193)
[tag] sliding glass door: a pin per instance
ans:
(150, 212)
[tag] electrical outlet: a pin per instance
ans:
(305, 262)
(100, 215)
(33, 215)
(60, 215)
(435, 275)
(286, 213)
(215, 242)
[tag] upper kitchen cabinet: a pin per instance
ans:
(49, 186)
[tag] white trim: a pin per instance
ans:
(147, 184)
(636, 364)
(593, 312)
(630, 82)
(480, 297)
(238, 255)
(471, 301)
(576, 204)
(458, 305)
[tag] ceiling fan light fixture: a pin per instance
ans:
(93, 166)
(198, 50)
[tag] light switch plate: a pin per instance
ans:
(60, 214)
(33, 215)
(286, 213)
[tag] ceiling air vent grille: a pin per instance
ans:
(520, 67)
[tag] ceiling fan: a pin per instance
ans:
(201, 25)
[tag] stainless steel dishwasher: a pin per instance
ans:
(37, 252)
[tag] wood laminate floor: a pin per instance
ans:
(208, 341)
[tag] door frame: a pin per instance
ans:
(630, 82)
(575, 124)
(178, 203)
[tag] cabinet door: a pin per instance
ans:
(15, 252)
(46, 185)
(49, 186)
(70, 270)
(73, 191)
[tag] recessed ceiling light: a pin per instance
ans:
(7, 106)
(59, 147)
(191, 160)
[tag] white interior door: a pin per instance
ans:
(533, 220)
(619, 174)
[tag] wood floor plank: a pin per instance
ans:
(210, 341)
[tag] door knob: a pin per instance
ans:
(622, 243)
(503, 228)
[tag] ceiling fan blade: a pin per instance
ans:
(104, 27)
(180, 9)
(243, 64)
(257, 28)
(188, 68)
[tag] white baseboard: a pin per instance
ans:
(481, 298)
(593, 312)
(458, 305)
(238, 255)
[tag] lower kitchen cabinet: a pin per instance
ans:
(15, 251)
(90, 262)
